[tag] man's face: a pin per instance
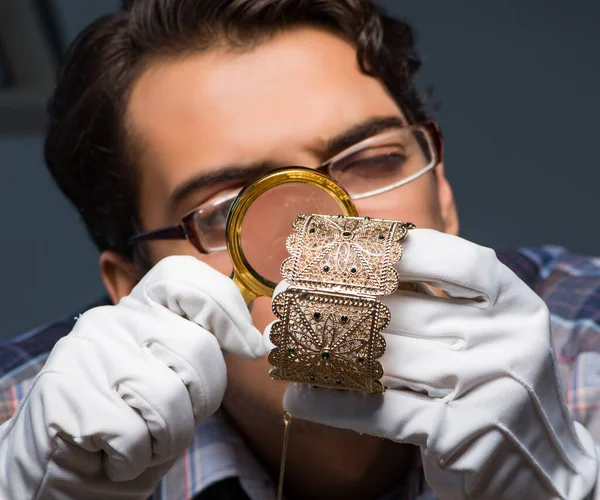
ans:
(206, 116)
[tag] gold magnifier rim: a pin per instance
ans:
(247, 279)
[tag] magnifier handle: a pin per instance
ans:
(247, 294)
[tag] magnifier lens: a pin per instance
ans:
(267, 224)
(260, 219)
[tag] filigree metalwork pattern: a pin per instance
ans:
(352, 255)
(328, 340)
(330, 323)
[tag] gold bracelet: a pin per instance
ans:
(330, 321)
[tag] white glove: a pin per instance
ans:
(120, 396)
(472, 381)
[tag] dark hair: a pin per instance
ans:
(89, 148)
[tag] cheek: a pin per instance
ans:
(416, 202)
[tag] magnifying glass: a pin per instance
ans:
(260, 219)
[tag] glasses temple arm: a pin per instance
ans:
(165, 233)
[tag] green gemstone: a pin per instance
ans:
(325, 268)
(325, 355)
(344, 319)
(317, 315)
(338, 381)
(340, 216)
(311, 230)
(381, 237)
(367, 218)
(291, 351)
(353, 270)
(346, 234)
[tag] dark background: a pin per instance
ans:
(517, 84)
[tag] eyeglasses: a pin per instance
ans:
(373, 166)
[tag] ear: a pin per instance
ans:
(447, 204)
(119, 275)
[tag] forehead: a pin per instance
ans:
(280, 101)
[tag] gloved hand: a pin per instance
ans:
(471, 380)
(119, 397)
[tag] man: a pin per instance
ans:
(168, 108)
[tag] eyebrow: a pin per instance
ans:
(225, 174)
(361, 132)
(333, 146)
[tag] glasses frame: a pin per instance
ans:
(186, 230)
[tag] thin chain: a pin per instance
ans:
(287, 419)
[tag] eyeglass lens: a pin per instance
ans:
(384, 163)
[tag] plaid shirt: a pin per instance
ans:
(570, 285)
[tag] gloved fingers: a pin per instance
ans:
(401, 416)
(194, 355)
(420, 365)
(87, 481)
(460, 325)
(267, 336)
(229, 322)
(120, 334)
(457, 266)
(73, 411)
(281, 287)
(152, 387)
(193, 290)
(447, 321)
(147, 382)
(113, 377)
